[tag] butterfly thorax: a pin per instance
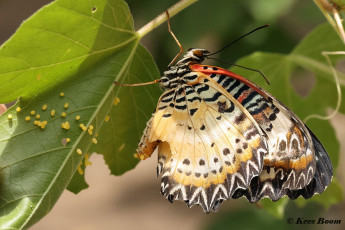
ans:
(180, 73)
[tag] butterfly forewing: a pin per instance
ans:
(208, 147)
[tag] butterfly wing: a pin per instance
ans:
(208, 144)
(323, 173)
(297, 163)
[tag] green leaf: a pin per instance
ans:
(322, 94)
(275, 208)
(119, 139)
(80, 48)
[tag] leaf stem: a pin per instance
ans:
(179, 6)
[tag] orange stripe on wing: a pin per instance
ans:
(200, 68)
(298, 164)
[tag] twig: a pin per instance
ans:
(163, 17)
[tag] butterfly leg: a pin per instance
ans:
(138, 84)
(173, 35)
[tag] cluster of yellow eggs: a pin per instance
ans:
(65, 125)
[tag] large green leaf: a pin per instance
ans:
(79, 48)
(322, 94)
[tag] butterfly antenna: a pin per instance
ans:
(173, 35)
(255, 70)
(236, 40)
(243, 67)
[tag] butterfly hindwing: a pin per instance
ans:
(323, 173)
(292, 162)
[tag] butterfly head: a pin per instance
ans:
(174, 75)
(193, 55)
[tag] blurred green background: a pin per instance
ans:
(205, 24)
(213, 24)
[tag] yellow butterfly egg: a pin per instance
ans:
(52, 112)
(83, 127)
(90, 130)
(116, 100)
(43, 124)
(87, 162)
(66, 125)
(80, 170)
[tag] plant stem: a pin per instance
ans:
(336, 21)
(163, 17)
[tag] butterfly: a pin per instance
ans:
(219, 137)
